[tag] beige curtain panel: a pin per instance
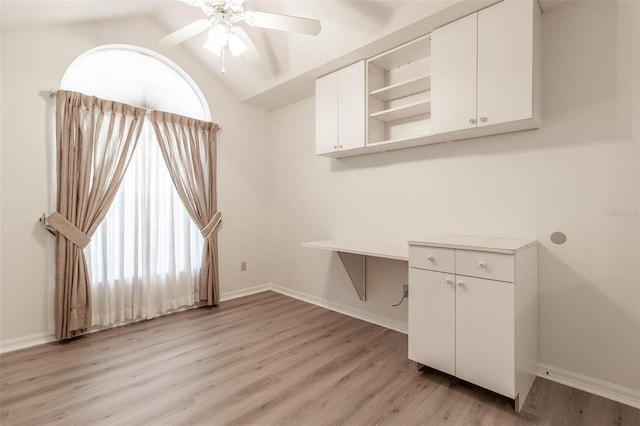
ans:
(95, 139)
(189, 149)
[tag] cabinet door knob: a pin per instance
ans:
(340, 146)
(482, 264)
(472, 120)
(430, 258)
(335, 147)
(460, 284)
(449, 281)
(484, 119)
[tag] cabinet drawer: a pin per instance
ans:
(432, 258)
(493, 266)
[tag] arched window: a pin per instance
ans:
(145, 256)
(136, 76)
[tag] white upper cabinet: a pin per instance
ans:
(340, 110)
(505, 62)
(483, 70)
(351, 106)
(479, 75)
(454, 64)
(327, 114)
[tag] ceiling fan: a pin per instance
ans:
(224, 33)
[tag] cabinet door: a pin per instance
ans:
(432, 319)
(505, 62)
(351, 106)
(453, 80)
(485, 333)
(327, 114)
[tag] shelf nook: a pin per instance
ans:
(399, 93)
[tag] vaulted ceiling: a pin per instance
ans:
(351, 30)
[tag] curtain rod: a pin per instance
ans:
(53, 92)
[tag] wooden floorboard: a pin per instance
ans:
(264, 359)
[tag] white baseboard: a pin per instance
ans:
(24, 342)
(229, 295)
(592, 385)
(338, 307)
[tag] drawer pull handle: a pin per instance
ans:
(482, 264)
(430, 258)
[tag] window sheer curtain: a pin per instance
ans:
(145, 257)
(95, 140)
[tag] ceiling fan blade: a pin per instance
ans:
(186, 32)
(252, 55)
(282, 22)
(197, 3)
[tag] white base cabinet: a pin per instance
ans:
(432, 318)
(473, 310)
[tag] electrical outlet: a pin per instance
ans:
(405, 290)
(243, 266)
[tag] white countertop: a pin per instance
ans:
(470, 242)
(388, 251)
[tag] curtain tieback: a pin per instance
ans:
(212, 225)
(58, 222)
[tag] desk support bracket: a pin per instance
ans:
(356, 267)
(354, 258)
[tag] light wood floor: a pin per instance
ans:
(263, 359)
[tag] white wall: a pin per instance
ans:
(35, 60)
(567, 176)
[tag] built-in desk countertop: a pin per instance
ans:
(388, 251)
(353, 255)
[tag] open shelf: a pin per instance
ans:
(404, 54)
(399, 96)
(398, 140)
(405, 88)
(404, 111)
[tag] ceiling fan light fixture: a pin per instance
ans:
(221, 37)
(214, 46)
(217, 40)
(220, 33)
(236, 45)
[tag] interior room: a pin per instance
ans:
(345, 177)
